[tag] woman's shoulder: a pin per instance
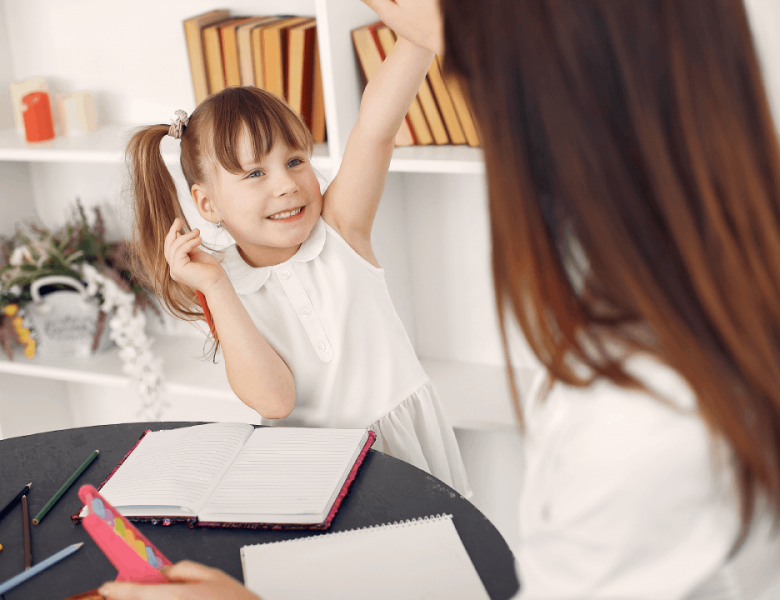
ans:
(643, 480)
(620, 424)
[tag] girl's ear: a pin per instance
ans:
(204, 204)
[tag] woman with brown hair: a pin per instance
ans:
(633, 173)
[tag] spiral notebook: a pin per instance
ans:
(410, 560)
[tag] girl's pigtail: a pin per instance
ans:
(156, 204)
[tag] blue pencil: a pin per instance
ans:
(32, 571)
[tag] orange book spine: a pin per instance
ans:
(195, 50)
(213, 50)
(318, 99)
(227, 35)
(273, 61)
(446, 106)
(300, 59)
(257, 57)
(462, 108)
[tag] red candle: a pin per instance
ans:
(36, 110)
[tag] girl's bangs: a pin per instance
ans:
(264, 118)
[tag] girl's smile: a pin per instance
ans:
(288, 216)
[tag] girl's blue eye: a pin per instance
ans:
(253, 173)
(295, 162)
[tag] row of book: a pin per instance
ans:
(275, 53)
(439, 113)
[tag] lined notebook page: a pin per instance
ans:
(413, 560)
(285, 475)
(175, 468)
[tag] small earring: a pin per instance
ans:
(218, 224)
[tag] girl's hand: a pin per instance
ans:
(419, 21)
(189, 581)
(189, 264)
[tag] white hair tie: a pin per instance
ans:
(177, 128)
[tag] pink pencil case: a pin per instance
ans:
(136, 559)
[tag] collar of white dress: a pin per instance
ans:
(247, 279)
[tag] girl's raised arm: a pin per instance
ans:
(351, 200)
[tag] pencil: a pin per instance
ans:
(16, 499)
(65, 487)
(26, 529)
(44, 564)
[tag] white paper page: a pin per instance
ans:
(417, 560)
(175, 468)
(285, 474)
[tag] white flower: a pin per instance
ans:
(20, 256)
(15, 290)
(127, 328)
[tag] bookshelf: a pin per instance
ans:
(431, 233)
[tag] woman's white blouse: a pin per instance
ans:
(622, 497)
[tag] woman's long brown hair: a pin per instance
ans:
(643, 126)
(212, 137)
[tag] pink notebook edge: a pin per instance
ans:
(193, 522)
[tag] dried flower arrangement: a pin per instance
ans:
(79, 250)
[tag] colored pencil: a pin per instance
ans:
(26, 529)
(45, 564)
(65, 487)
(16, 499)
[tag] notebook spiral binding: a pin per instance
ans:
(393, 525)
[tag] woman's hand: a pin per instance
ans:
(419, 21)
(189, 264)
(189, 581)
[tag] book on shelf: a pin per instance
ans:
(446, 107)
(246, 62)
(274, 41)
(275, 53)
(461, 107)
(227, 36)
(318, 99)
(212, 49)
(233, 475)
(385, 40)
(300, 67)
(370, 57)
(193, 36)
(256, 41)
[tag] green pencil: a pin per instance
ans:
(65, 487)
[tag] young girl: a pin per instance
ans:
(299, 303)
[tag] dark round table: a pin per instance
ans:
(385, 490)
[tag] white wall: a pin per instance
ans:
(764, 16)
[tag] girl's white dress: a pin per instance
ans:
(328, 314)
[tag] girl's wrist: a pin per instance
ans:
(218, 289)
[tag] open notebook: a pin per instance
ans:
(223, 474)
(414, 560)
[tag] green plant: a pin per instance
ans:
(35, 251)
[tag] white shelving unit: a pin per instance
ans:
(431, 233)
